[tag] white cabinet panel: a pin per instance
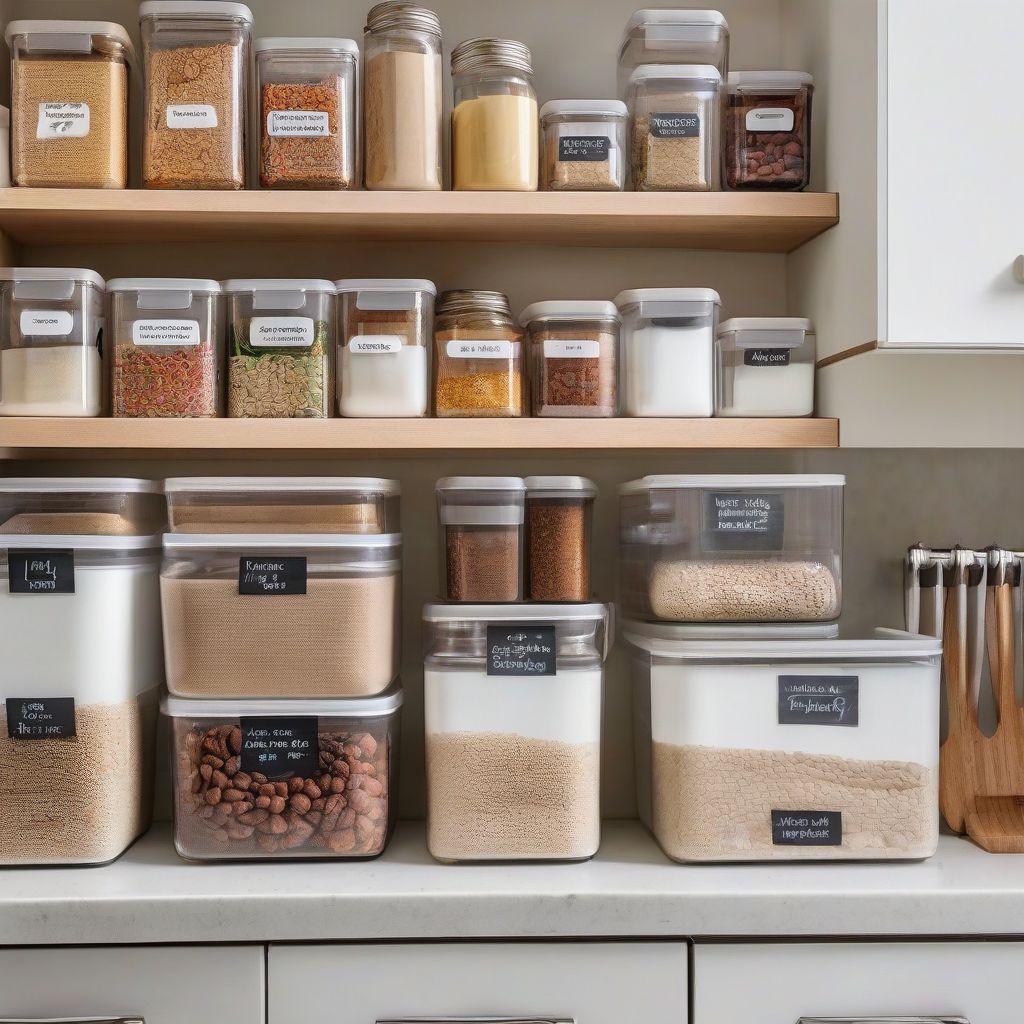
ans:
(161, 984)
(782, 983)
(594, 983)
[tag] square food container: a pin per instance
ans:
(278, 615)
(69, 97)
(559, 510)
(283, 504)
(584, 146)
(674, 36)
(785, 747)
(513, 730)
(51, 361)
(284, 779)
(732, 548)
(765, 367)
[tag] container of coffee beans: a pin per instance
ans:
(558, 515)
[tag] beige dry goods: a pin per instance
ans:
(353, 517)
(106, 524)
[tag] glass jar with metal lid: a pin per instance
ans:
(479, 356)
(403, 101)
(494, 123)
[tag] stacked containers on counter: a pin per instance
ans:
(80, 632)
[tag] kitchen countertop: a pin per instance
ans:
(629, 890)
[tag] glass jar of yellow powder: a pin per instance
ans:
(494, 123)
(478, 365)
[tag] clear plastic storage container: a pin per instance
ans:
(512, 700)
(5, 147)
(168, 344)
(197, 82)
(69, 94)
(769, 748)
(765, 367)
(584, 146)
(768, 130)
(386, 334)
(573, 358)
(308, 90)
(283, 504)
(284, 779)
(674, 36)
(281, 615)
(732, 548)
(281, 348)
(51, 354)
(481, 537)
(559, 510)
(668, 343)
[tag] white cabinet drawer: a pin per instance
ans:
(160, 984)
(979, 981)
(592, 983)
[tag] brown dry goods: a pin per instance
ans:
(767, 160)
(559, 556)
(477, 387)
(577, 175)
(483, 563)
(353, 517)
(566, 386)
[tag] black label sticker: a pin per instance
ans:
(807, 828)
(265, 574)
(521, 649)
(587, 148)
(766, 356)
(41, 572)
(675, 126)
(40, 718)
(819, 700)
(743, 522)
(280, 747)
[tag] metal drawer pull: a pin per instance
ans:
(473, 1020)
(883, 1020)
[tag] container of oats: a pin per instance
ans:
(584, 146)
(280, 348)
(759, 548)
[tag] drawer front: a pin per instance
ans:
(591, 983)
(160, 984)
(978, 981)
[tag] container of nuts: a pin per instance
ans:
(284, 779)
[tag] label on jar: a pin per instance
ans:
(41, 572)
(584, 148)
(807, 828)
(521, 649)
(280, 747)
(281, 332)
(306, 124)
(479, 350)
(770, 119)
(375, 344)
(263, 574)
(184, 333)
(819, 700)
(62, 120)
(675, 126)
(40, 718)
(555, 349)
(191, 115)
(43, 323)
(743, 522)
(766, 356)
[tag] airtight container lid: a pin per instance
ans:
(385, 284)
(636, 296)
(79, 542)
(648, 634)
(674, 16)
(689, 73)
(257, 485)
(79, 485)
(601, 108)
(164, 284)
(768, 81)
(62, 36)
(236, 285)
(374, 546)
(73, 274)
(569, 310)
(386, 703)
(512, 484)
(766, 323)
(213, 9)
(732, 482)
(560, 487)
(481, 500)
(313, 44)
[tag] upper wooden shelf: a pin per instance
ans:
(739, 222)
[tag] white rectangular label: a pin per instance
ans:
(770, 119)
(281, 332)
(62, 121)
(375, 344)
(43, 322)
(301, 123)
(554, 349)
(184, 333)
(191, 115)
(479, 350)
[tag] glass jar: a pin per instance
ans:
(403, 102)
(676, 139)
(478, 364)
(494, 123)
(197, 73)
(559, 510)
(69, 94)
(584, 146)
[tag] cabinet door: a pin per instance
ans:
(780, 984)
(590, 983)
(955, 210)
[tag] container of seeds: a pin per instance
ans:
(559, 510)
(584, 146)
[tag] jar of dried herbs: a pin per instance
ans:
(583, 146)
(478, 364)
(280, 348)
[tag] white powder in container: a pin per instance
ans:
(772, 391)
(669, 370)
(392, 383)
(65, 380)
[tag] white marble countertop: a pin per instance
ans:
(629, 890)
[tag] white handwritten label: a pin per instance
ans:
(281, 332)
(46, 322)
(375, 344)
(191, 115)
(554, 349)
(184, 333)
(479, 350)
(522, 649)
(770, 119)
(62, 121)
(298, 123)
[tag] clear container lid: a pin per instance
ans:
(58, 275)
(694, 75)
(81, 542)
(308, 44)
(569, 310)
(481, 500)
(593, 108)
(257, 486)
(650, 16)
(238, 285)
(511, 484)
(164, 284)
(730, 482)
(215, 10)
(768, 81)
(646, 634)
(767, 332)
(339, 550)
(79, 485)
(386, 703)
(62, 36)
(384, 284)
(560, 487)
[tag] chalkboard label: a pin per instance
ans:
(520, 649)
(280, 747)
(675, 126)
(41, 572)
(819, 700)
(264, 574)
(807, 828)
(736, 521)
(584, 148)
(766, 356)
(40, 718)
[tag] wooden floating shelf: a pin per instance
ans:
(739, 222)
(49, 438)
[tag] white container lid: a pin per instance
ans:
(639, 633)
(277, 284)
(674, 16)
(351, 707)
(281, 485)
(676, 73)
(515, 612)
(632, 296)
(560, 487)
(216, 9)
(770, 81)
(605, 108)
(765, 323)
(164, 284)
(567, 309)
(78, 542)
(274, 542)
(80, 485)
(733, 482)
(311, 43)
(512, 484)
(74, 274)
(385, 284)
(61, 35)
